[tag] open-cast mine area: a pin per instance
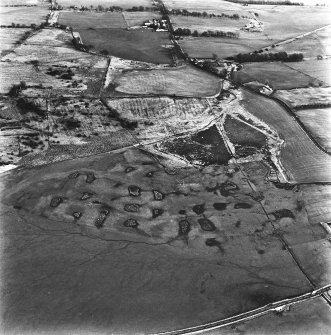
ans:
(165, 167)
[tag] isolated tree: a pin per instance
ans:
(215, 57)
(195, 33)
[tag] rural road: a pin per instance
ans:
(249, 315)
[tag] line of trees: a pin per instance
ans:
(22, 25)
(101, 8)
(267, 57)
(264, 2)
(208, 33)
(185, 12)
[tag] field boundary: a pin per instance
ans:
(290, 112)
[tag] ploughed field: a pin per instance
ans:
(313, 97)
(303, 161)
(318, 123)
(129, 235)
(140, 44)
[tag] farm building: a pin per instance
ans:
(253, 26)
(158, 25)
(77, 37)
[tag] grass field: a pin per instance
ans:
(50, 38)
(306, 96)
(242, 270)
(282, 22)
(106, 3)
(23, 15)
(311, 46)
(278, 75)
(186, 81)
(8, 37)
(85, 20)
(87, 70)
(320, 69)
(201, 24)
(14, 73)
(19, 2)
(317, 200)
(141, 44)
(318, 122)
(324, 37)
(139, 18)
(60, 52)
(205, 47)
(302, 159)
(214, 6)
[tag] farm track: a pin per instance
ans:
(292, 39)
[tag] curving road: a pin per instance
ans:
(279, 305)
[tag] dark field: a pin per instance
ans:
(141, 44)
(85, 20)
(204, 148)
(243, 136)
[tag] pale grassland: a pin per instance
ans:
(186, 81)
(23, 15)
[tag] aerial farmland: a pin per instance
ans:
(165, 167)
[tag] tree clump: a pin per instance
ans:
(267, 57)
